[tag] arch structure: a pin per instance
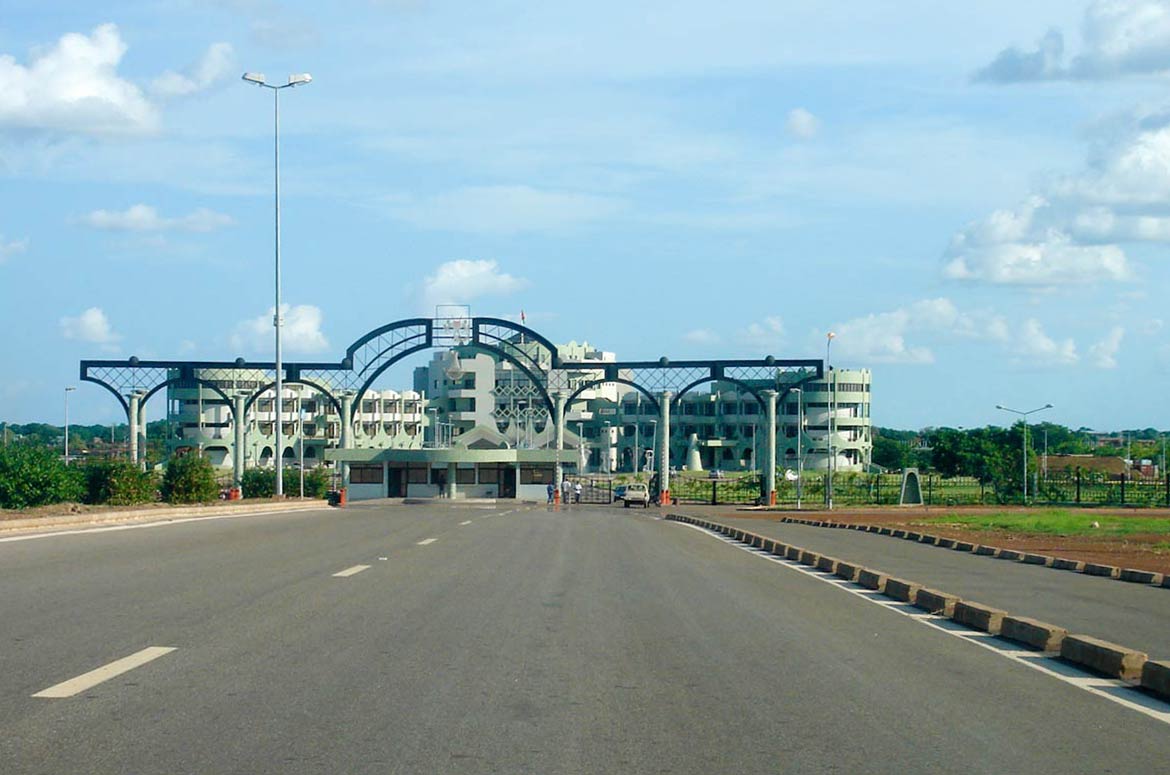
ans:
(557, 382)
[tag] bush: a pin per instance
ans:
(33, 475)
(258, 482)
(119, 483)
(261, 482)
(189, 479)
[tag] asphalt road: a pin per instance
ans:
(592, 640)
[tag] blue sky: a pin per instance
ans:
(974, 197)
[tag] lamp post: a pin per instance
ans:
(832, 411)
(1024, 416)
(293, 80)
(68, 390)
(799, 445)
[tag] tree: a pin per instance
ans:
(189, 479)
(34, 475)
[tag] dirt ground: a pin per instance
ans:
(67, 509)
(1144, 552)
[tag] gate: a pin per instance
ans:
(593, 489)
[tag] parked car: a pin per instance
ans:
(636, 493)
(619, 492)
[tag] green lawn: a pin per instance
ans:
(1055, 522)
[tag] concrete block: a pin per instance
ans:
(809, 558)
(1039, 559)
(947, 543)
(979, 617)
(793, 553)
(875, 528)
(897, 533)
(847, 571)
(1033, 632)
(1103, 657)
(885, 531)
(986, 551)
(912, 535)
(1140, 576)
(779, 549)
(1096, 569)
(757, 541)
(827, 564)
(767, 545)
(929, 540)
(1156, 678)
(935, 602)
(1010, 554)
(872, 579)
(900, 589)
(963, 546)
(1061, 563)
(1166, 581)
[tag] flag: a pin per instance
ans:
(523, 318)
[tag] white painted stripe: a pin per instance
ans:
(1114, 690)
(350, 571)
(465, 522)
(160, 522)
(100, 675)
(427, 541)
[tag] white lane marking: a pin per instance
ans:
(106, 672)
(344, 574)
(161, 521)
(427, 541)
(1114, 690)
(465, 522)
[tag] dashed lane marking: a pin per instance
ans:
(102, 674)
(356, 569)
(427, 541)
(1111, 689)
(465, 522)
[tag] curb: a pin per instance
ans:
(1099, 656)
(1129, 575)
(155, 515)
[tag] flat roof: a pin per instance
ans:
(448, 455)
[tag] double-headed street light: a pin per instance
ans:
(293, 80)
(1024, 415)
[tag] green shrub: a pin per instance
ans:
(261, 482)
(189, 479)
(33, 475)
(119, 483)
(258, 482)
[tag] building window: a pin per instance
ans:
(464, 476)
(416, 475)
(365, 474)
(536, 474)
(489, 475)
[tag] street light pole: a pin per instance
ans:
(799, 445)
(293, 80)
(832, 411)
(68, 390)
(1024, 416)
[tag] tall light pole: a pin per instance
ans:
(829, 337)
(68, 390)
(799, 445)
(1024, 415)
(293, 80)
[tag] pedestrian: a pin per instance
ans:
(566, 488)
(577, 492)
(551, 489)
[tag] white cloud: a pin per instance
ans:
(458, 282)
(1033, 345)
(1120, 37)
(216, 64)
(801, 124)
(90, 326)
(503, 210)
(1132, 170)
(299, 333)
(1152, 326)
(702, 337)
(11, 247)
(142, 217)
(766, 333)
(1103, 354)
(74, 86)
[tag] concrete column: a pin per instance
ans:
(132, 420)
(346, 433)
(663, 453)
(142, 433)
(559, 417)
(770, 457)
(517, 480)
(451, 489)
(240, 426)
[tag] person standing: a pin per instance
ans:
(566, 489)
(551, 489)
(576, 492)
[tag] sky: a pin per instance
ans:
(974, 197)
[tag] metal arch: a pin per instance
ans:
(121, 399)
(426, 323)
(180, 381)
(594, 383)
(477, 327)
(540, 384)
(317, 386)
(361, 391)
(677, 399)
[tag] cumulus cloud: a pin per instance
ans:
(142, 217)
(503, 210)
(1120, 37)
(11, 247)
(1033, 345)
(299, 333)
(91, 326)
(1103, 354)
(217, 63)
(74, 86)
(801, 124)
(458, 282)
(766, 333)
(702, 337)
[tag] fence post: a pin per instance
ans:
(714, 494)
(877, 493)
(1123, 488)
(929, 490)
(1078, 485)
(1168, 490)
